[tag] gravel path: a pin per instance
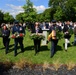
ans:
(37, 70)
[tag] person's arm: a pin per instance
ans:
(41, 30)
(13, 30)
(50, 30)
(8, 33)
(24, 30)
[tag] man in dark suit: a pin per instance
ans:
(5, 36)
(54, 42)
(37, 42)
(67, 35)
(18, 29)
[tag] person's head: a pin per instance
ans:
(68, 22)
(54, 22)
(4, 27)
(20, 24)
(37, 24)
(16, 23)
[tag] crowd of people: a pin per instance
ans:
(37, 27)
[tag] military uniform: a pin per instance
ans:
(53, 41)
(18, 29)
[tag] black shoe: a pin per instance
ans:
(6, 53)
(47, 42)
(22, 51)
(51, 56)
(66, 50)
(35, 53)
(15, 54)
(69, 44)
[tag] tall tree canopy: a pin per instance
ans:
(30, 11)
(1, 16)
(8, 18)
(66, 8)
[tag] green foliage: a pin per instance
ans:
(0, 32)
(46, 14)
(59, 34)
(39, 17)
(1, 16)
(71, 31)
(43, 56)
(5, 17)
(8, 17)
(59, 14)
(29, 11)
(20, 17)
(37, 36)
(66, 11)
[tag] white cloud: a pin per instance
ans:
(17, 8)
(14, 10)
(40, 8)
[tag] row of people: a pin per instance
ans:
(18, 28)
(6, 33)
(36, 29)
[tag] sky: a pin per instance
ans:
(14, 7)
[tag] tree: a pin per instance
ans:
(40, 17)
(56, 3)
(19, 17)
(59, 14)
(1, 16)
(8, 18)
(46, 15)
(67, 7)
(70, 10)
(30, 12)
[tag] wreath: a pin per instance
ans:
(16, 35)
(38, 36)
(59, 34)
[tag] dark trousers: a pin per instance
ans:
(74, 43)
(53, 47)
(6, 44)
(37, 45)
(20, 41)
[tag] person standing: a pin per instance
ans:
(74, 31)
(18, 29)
(52, 37)
(37, 42)
(67, 35)
(6, 39)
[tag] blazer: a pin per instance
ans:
(18, 29)
(5, 33)
(53, 27)
(34, 30)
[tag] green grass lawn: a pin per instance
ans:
(43, 56)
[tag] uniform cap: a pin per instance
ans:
(53, 21)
